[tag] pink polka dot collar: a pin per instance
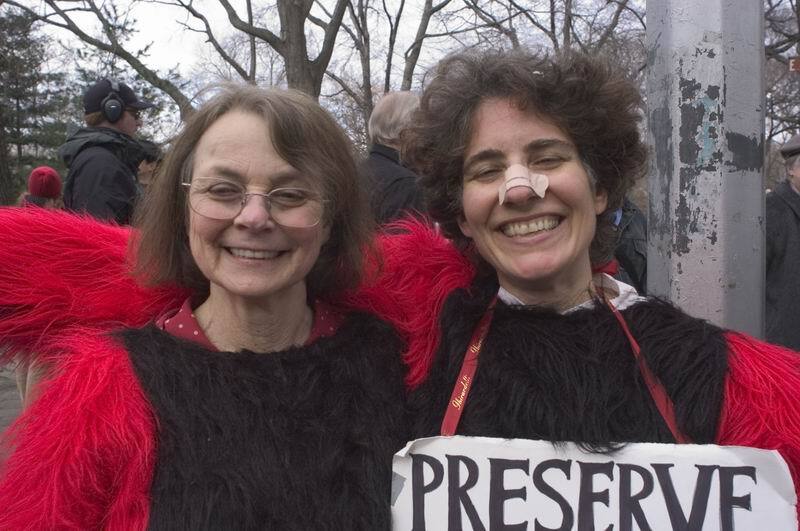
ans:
(184, 325)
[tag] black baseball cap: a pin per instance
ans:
(791, 147)
(102, 88)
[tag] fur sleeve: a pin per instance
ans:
(59, 269)
(81, 456)
(762, 405)
(418, 269)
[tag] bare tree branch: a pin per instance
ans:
(551, 31)
(114, 47)
(412, 54)
(612, 26)
(210, 38)
(261, 33)
(346, 88)
(324, 56)
(252, 74)
(394, 25)
(491, 22)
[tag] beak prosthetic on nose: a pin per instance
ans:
(518, 176)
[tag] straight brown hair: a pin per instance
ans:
(304, 135)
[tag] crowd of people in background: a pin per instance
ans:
(259, 347)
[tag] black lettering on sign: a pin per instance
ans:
(629, 504)
(457, 495)
(727, 501)
(702, 489)
(587, 496)
(419, 488)
(545, 488)
(498, 494)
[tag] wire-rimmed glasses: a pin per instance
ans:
(221, 199)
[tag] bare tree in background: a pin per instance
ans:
(115, 28)
(591, 26)
(267, 70)
(290, 40)
(782, 22)
(386, 44)
(364, 17)
(359, 91)
(782, 42)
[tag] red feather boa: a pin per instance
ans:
(85, 449)
(59, 270)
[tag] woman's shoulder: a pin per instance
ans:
(679, 347)
(659, 317)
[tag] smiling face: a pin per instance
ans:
(250, 256)
(536, 245)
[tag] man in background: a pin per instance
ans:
(103, 157)
(783, 253)
(631, 249)
(393, 188)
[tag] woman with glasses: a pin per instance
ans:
(256, 404)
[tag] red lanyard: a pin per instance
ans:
(461, 390)
(458, 398)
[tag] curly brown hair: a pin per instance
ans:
(308, 138)
(589, 99)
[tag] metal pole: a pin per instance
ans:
(706, 128)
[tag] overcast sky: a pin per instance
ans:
(159, 24)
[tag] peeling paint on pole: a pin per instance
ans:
(705, 119)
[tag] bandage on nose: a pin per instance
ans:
(518, 176)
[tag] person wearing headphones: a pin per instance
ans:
(103, 157)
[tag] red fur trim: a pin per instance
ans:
(761, 407)
(419, 269)
(83, 453)
(58, 269)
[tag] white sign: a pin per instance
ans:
(454, 483)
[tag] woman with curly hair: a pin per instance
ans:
(522, 159)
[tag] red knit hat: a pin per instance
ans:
(45, 182)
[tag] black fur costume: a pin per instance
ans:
(300, 439)
(573, 377)
(85, 454)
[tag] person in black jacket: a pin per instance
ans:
(783, 253)
(392, 186)
(103, 158)
(631, 249)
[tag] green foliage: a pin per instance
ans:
(32, 100)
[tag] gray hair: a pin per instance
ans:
(391, 116)
(790, 162)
